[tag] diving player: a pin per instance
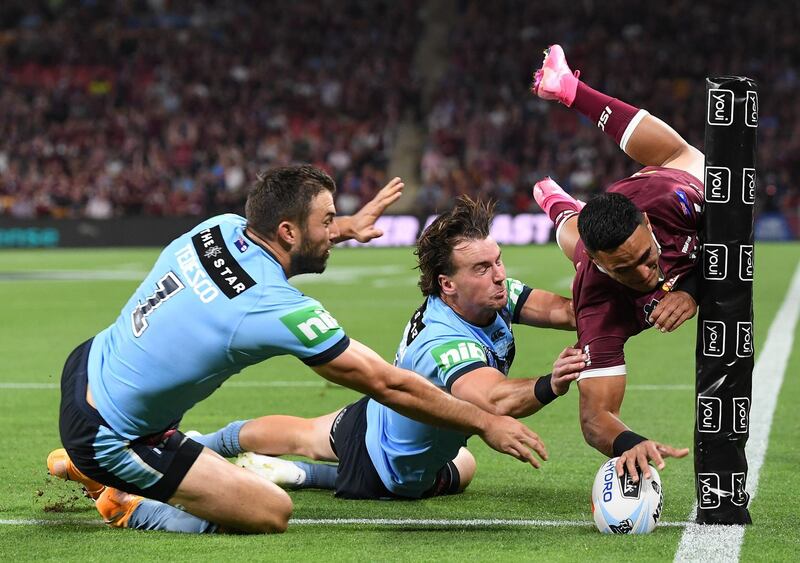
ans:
(634, 249)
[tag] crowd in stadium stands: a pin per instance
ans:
(172, 107)
(488, 135)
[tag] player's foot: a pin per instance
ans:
(280, 471)
(60, 465)
(116, 506)
(547, 193)
(555, 80)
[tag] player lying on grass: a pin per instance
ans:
(634, 249)
(461, 341)
(216, 301)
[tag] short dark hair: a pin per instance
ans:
(607, 221)
(284, 194)
(468, 220)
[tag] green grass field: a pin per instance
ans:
(53, 300)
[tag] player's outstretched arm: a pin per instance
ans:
(361, 225)
(601, 398)
(362, 369)
(548, 310)
(489, 389)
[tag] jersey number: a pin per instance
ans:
(167, 286)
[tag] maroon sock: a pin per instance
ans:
(561, 211)
(611, 115)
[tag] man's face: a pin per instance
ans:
(634, 263)
(316, 239)
(477, 286)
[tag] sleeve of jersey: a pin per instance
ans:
(518, 294)
(451, 358)
(602, 338)
(303, 328)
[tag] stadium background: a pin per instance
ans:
(127, 122)
(145, 109)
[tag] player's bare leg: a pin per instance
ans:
(645, 138)
(290, 435)
(466, 465)
(236, 499)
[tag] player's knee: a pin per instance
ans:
(274, 519)
(466, 465)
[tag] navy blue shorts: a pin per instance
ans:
(151, 466)
(356, 477)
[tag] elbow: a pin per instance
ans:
(502, 409)
(380, 390)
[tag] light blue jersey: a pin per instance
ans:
(441, 346)
(214, 303)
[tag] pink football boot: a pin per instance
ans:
(555, 80)
(547, 193)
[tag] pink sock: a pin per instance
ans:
(614, 117)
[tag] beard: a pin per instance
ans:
(309, 260)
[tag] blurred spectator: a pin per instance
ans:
(485, 127)
(172, 108)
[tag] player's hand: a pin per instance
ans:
(674, 309)
(362, 223)
(644, 451)
(566, 369)
(509, 436)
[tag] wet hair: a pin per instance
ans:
(607, 221)
(468, 220)
(284, 194)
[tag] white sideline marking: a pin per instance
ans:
(723, 543)
(253, 384)
(471, 523)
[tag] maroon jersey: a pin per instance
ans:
(608, 313)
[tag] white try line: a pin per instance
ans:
(421, 522)
(723, 543)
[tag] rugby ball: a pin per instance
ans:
(621, 506)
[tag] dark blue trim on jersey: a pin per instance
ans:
(463, 371)
(523, 297)
(328, 355)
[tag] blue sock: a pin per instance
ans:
(224, 441)
(155, 515)
(318, 475)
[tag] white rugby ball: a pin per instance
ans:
(621, 506)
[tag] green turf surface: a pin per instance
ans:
(53, 300)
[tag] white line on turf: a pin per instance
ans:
(723, 543)
(471, 523)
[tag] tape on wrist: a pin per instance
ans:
(543, 390)
(625, 441)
